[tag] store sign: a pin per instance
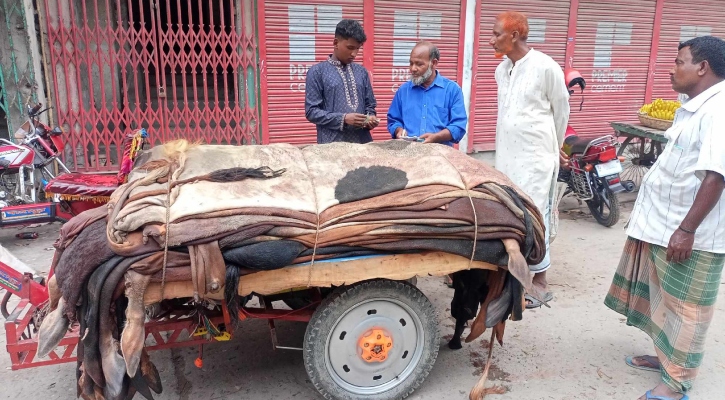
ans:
(605, 78)
(610, 34)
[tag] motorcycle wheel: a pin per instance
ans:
(607, 216)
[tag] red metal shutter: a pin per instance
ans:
(548, 23)
(683, 20)
(613, 42)
(297, 36)
(399, 25)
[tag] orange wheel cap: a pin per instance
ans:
(375, 345)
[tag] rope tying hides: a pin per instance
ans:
(166, 233)
(475, 215)
(317, 228)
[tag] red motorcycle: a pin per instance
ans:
(594, 168)
(30, 191)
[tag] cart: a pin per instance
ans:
(641, 147)
(371, 333)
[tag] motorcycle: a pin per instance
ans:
(594, 168)
(30, 191)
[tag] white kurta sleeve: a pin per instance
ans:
(558, 96)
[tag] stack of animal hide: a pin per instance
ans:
(196, 212)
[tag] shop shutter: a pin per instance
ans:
(297, 35)
(399, 25)
(548, 24)
(683, 20)
(613, 43)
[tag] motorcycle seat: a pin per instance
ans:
(575, 145)
(77, 186)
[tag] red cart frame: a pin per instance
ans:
(167, 331)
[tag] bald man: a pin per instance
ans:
(429, 106)
(533, 112)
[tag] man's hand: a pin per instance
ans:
(563, 160)
(373, 122)
(356, 120)
(400, 133)
(429, 138)
(680, 247)
(440, 137)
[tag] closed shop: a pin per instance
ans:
(613, 43)
(683, 20)
(296, 35)
(189, 70)
(399, 25)
(548, 23)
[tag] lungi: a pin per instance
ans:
(671, 302)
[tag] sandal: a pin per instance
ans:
(652, 360)
(533, 303)
(650, 396)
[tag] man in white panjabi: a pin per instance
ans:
(533, 112)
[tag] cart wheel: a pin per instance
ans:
(372, 340)
(640, 154)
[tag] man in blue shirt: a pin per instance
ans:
(429, 106)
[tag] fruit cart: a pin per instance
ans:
(641, 147)
(643, 142)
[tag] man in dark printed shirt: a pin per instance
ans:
(338, 94)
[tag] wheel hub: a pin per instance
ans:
(374, 345)
(346, 354)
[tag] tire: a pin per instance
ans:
(336, 366)
(597, 208)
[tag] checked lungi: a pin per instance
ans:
(672, 303)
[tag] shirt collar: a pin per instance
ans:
(438, 81)
(523, 59)
(526, 56)
(334, 62)
(694, 104)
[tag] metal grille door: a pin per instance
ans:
(208, 71)
(179, 68)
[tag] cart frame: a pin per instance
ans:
(641, 148)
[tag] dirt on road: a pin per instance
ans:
(575, 350)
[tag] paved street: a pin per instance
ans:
(574, 350)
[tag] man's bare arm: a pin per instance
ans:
(440, 137)
(681, 242)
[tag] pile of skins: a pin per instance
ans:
(195, 212)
